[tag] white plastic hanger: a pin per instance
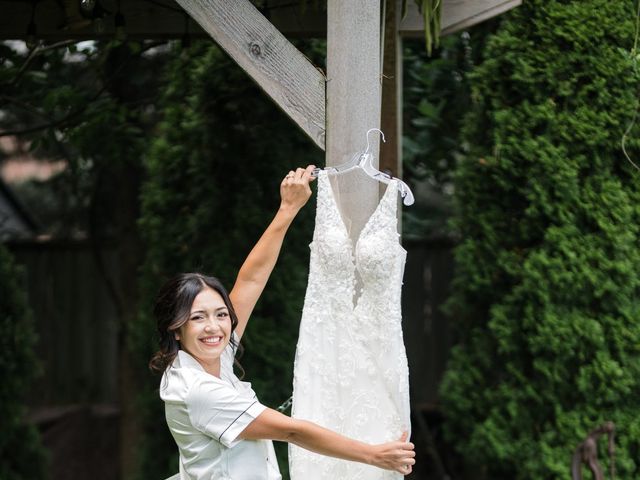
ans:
(364, 160)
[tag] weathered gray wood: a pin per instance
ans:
(353, 76)
(268, 57)
(456, 15)
(353, 84)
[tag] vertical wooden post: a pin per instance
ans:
(391, 151)
(353, 81)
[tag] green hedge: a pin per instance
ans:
(547, 284)
(214, 171)
(21, 452)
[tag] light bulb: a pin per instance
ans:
(87, 6)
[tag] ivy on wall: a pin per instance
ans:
(547, 287)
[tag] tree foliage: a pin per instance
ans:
(547, 280)
(435, 99)
(89, 105)
(214, 170)
(99, 129)
(22, 455)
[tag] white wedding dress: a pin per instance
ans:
(350, 371)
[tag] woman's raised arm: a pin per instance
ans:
(256, 269)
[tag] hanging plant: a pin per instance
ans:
(431, 11)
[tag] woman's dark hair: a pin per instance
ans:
(172, 309)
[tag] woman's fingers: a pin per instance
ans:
(288, 177)
(398, 455)
(307, 175)
(405, 469)
(407, 461)
(301, 174)
(295, 189)
(304, 173)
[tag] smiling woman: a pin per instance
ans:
(194, 313)
(208, 330)
(221, 428)
(199, 386)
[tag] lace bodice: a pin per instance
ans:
(351, 371)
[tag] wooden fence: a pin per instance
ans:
(78, 328)
(428, 334)
(76, 323)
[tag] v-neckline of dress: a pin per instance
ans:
(391, 186)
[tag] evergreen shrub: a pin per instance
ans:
(22, 456)
(214, 171)
(547, 283)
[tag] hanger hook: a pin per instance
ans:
(368, 132)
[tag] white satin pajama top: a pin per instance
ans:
(206, 414)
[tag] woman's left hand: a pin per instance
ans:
(295, 190)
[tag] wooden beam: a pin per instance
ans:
(279, 68)
(456, 15)
(391, 123)
(285, 74)
(353, 77)
(353, 85)
(60, 19)
(391, 150)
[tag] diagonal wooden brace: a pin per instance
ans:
(278, 67)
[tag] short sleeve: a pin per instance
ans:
(221, 412)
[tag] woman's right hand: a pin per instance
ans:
(398, 455)
(295, 190)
